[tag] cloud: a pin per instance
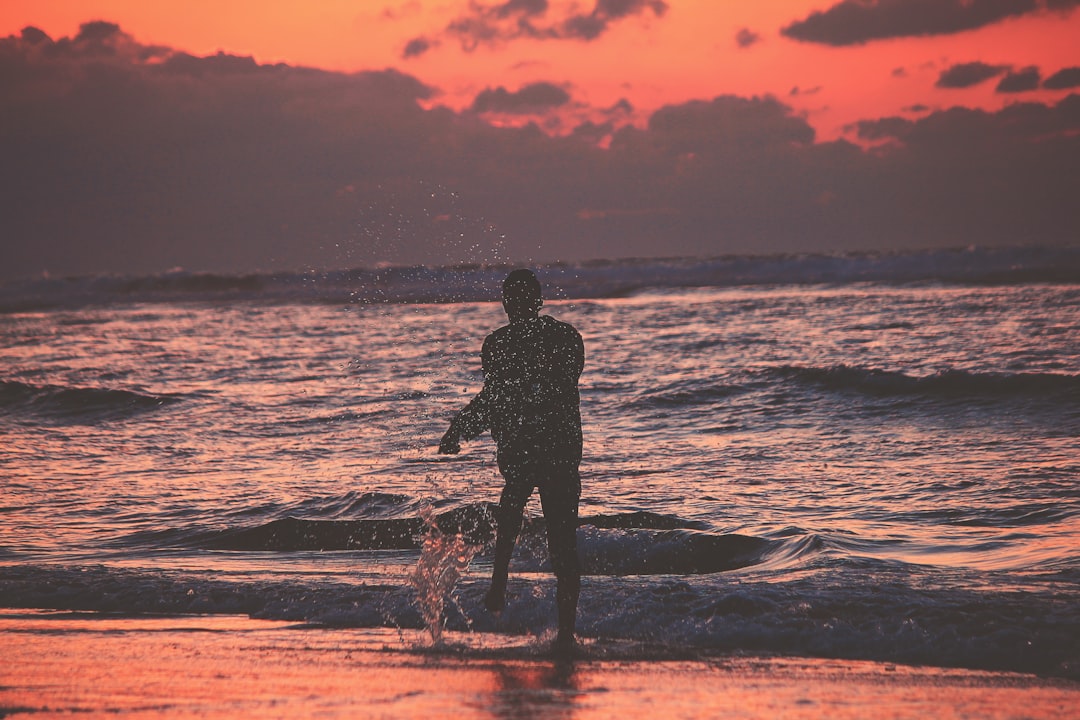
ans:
(947, 163)
(416, 47)
(747, 37)
(965, 75)
(1018, 129)
(97, 39)
(1023, 80)
(487, 25)
(533, 98)
(593, 133)
(589, 26)
(1063, 79)
(854, 22)
(120, 157)
(99, 33)
(701, 126)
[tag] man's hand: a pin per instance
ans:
(450, 443)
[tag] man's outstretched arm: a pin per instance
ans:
(473, 419)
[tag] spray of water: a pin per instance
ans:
(392, 220)
(443, 558)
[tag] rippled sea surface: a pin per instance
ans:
(857, 470)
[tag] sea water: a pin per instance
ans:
(872, 457)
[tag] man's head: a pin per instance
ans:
(521, 294)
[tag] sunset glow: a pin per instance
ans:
(690, 50)
(547, 130)
(540, 358)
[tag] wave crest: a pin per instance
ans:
(75, 405)
(591, 279)
(636, 543)
(960, 384)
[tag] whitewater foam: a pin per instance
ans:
(870, 611)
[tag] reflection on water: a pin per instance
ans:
(827, 469)
(534, 690)
(752, 410)
(229, 667)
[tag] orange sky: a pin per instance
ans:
(689, 52)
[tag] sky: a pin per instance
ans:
(279, 135)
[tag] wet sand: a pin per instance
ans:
(227, 666)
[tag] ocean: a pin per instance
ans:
(861, 456)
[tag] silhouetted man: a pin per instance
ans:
(530, 403)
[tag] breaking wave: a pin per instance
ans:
(638, 543)
(74, 405)
(868, 611)
(947, 384)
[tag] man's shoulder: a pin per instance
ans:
(498, 339)
(498, 334)
(559, 326)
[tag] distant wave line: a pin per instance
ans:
(566, 280)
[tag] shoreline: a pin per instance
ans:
(59, 662)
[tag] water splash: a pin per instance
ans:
(443, 558)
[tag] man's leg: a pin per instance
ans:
(508, 521)
(560, 495)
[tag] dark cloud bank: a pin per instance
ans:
(1015, 80)
(535, 97)
(119, 157)
(853, 22)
